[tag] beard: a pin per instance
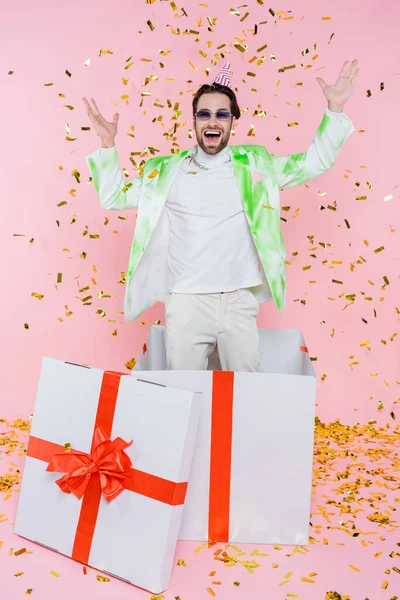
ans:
(212, 146)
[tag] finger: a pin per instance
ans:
(354, 77)
(353, 68)
(89, 111)
(115, 118)
(322, 83)
(87, 105)
(345, 69)
(94, 107)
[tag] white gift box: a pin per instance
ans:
(132, 536)
(251, 475)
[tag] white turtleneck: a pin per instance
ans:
(211, 248)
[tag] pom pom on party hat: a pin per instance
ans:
(224, 77)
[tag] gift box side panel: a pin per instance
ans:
(280, 350)
(66, 404)
(45, 514)
(272, 451)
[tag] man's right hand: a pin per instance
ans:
(107, 130)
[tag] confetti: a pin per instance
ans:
(54, 574)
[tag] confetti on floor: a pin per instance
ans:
(354, 549)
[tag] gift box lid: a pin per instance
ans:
(133, 536)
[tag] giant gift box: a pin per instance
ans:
(251, 474)
(117, 505)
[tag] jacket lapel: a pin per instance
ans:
(242, 170)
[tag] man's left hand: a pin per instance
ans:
(339, 93)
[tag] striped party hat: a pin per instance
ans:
(224, 77)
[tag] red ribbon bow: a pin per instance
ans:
(108, 462)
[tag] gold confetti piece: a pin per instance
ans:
(59, 277)
(181, 562)
(385, 585)
(48, 84)
(26, 325)
(157, 597)
(325, 18)
(29, 591)
(18, 552)
(102, 579)
(379, 249)
(54, 574)
(38, 296)
(292, 124)
(211, 591)
(240, 47)
(354, 568)
(150, 24)
(18, 574)
(307, 580)
(153, 174)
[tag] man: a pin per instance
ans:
(208, 241)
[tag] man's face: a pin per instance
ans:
(212, 144)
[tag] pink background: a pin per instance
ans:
(40, 41)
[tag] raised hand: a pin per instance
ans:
(107, 130)
(339, 93)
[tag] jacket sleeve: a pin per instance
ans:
(296, 169)
(115, 192)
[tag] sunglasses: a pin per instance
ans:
(205, 114)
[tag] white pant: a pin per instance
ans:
(196, 323)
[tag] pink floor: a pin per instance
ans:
(354, 550)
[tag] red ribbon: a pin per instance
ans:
(221, 455)
(108, 459)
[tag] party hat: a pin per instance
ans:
(224, 77)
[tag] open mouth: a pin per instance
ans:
(212, 135)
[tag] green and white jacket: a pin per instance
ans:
(147, 274)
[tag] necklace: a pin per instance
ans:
(193, 156)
